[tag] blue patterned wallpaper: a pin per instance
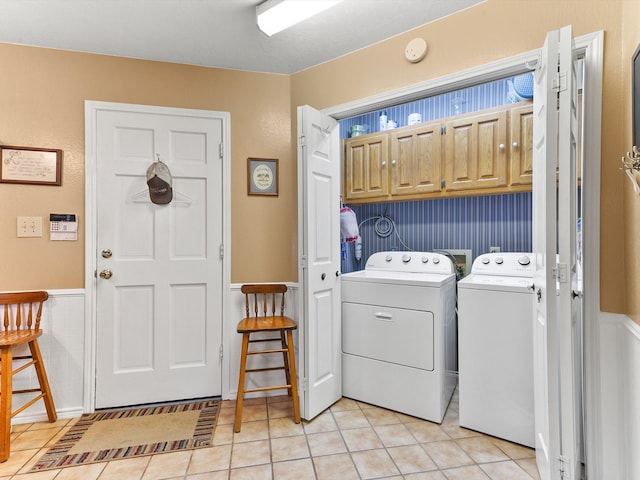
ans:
(474, 223)
(488, 95)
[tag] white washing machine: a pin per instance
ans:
(495, 341)
(399, 333)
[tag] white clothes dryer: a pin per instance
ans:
(495, 328)
(399, 333)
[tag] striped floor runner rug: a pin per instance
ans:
(114, 434)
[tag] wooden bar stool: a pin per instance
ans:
(21, 325)
(260, 305)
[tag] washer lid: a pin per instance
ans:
(400, 278)
(496, 283)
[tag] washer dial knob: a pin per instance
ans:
(524, 260)
(406, 258)
(388, 258)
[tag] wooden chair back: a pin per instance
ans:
(264, 300)
(21, 311)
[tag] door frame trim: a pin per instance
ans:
(90, 339)
(592, 47)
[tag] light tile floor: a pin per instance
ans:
(351, 440)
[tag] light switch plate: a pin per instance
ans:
(29, 226)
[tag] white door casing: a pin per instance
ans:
(159, 317)
(319, 260)
(545, 153)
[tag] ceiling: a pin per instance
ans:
(213, 33)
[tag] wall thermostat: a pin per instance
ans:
(416, 50)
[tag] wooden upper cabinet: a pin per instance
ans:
(366, 166)
(416, 159)
(476, 151)
(521, 146)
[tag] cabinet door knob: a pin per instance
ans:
(384, 162)
(514, 144)
(393, 162)
(501, 146)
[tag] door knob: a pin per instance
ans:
(106, 274)
(323, 276)
(106, 253)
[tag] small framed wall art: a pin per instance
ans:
(262, 176)
(27, 165)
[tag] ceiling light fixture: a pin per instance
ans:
(277, 15)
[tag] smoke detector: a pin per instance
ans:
(415, 50)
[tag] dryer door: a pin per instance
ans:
(394, 335)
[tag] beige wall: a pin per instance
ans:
(42, 94)
(489, 32)
(631, 201)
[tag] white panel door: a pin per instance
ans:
(319, 250)
(557, 369)
(545, 332)
(159, 316)
(569, 310)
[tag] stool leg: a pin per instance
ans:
(294, 381)
(43, 381)
(6, 359)
(243, 367)
(285, 358)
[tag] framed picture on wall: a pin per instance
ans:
(262, 176)
(28, 165)
(635, 92)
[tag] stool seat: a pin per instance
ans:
(261, 306)
(21, 325)
(265, 324)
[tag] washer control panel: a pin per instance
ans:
(504, 263)
(417, 262)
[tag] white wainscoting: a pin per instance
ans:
(62, 346)
(233, 345)
(620, 381)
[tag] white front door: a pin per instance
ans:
(319, 260)
(159, 315)
(545, 333)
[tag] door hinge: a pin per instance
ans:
(560, 273)
(560, 82)
(302, 141)
(303, 261)
(221, 150)
(220, 351)
(564, 468)
(221, 251)
(305, 384)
